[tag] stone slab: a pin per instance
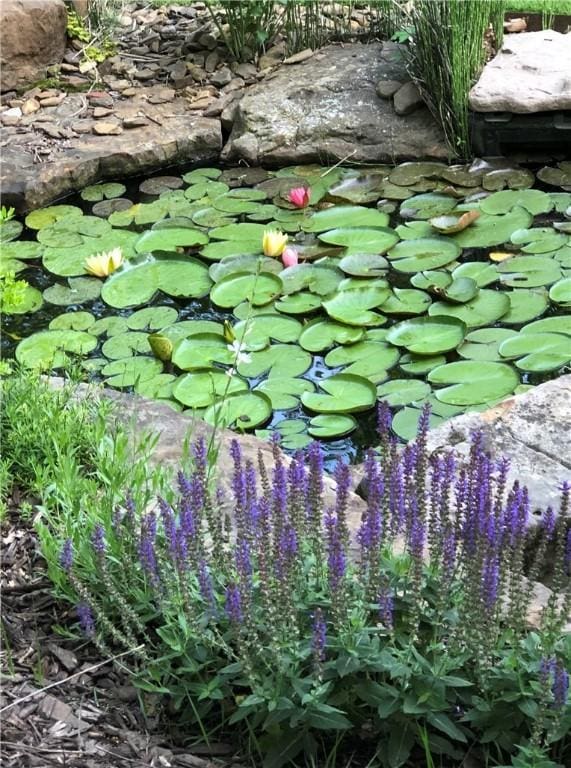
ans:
(326, 108)
(530, 73)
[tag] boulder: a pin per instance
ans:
(32, 38)
(530, 73)
(326, 108)
(407, 99)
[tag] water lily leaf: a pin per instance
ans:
(126, 344)
(284, 393)
(514, 178)
(529, 271)
(264, 212)
(256, 332)
(363, 188)
(137, 284)
(369, 368)
(425, 253)
(450, 224)
(169, 240)
(106, 191)
(206, 188)
(487, 307)
(538, 239)
(109, 326)
(342, 393)
(159, 184)
(78, 290)
(73, 230)
(406, 174)
(210, 217)
(52, 349)
(152, 318)
(10, 230)
(158, 387)
(561, 201)
(402, 391)
(201, 350)
(224, 249)
(277, 361)
(563, 256)
(345, 216)
(360, 240)
(483, 274)
(432, 280)
(525, 305)
(533, 200)
(105, 208)
(560, 292)
(236, 232)
(556, 177)
(412, 230)
(21, 249)
(317, 279)
(28, 300)
(491, 230)
(328, 425)
(319, 335)
(187, 328)
(44, 217)
(299, 303)
(130, 371)
(428, 335)
(243, 286)
(72, 321)
(201, 389)
(11, 265)
(233, 205)
(537, 352)
(406, 301)
(473, 382)
(200, 174)
(427, 206)
(364, 264)
(384, 355)
(353, 307)
(484, 343)
(70, 261)
(240, 410)
(418, 365)
(560, 324)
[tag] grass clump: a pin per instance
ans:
(266, 614)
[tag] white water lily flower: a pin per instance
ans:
(239, 356)
(104, 264)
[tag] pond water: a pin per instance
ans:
(415, 283)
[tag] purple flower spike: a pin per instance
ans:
(386, 609)
(205, 584)
(560, 688)
(490, 582)
(549, 523)
(319, 638)
(233, 604)
(98, 540)
(86, 620)
(66, 556)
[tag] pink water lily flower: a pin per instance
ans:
(290, 257)
(299, 196)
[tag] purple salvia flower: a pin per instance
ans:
(560, 688)
(233, 603)
(169, 526)
(386, 608)
(205, 584)
(490, 581)
(417, 538)
(546, 670)
(336, 559)
(147, 552)
(319, 637)
(243, 562)
(98, 540)
(548, 523)
(371, 526)
(251, 511)
(130, 511)
(397, 508)
(315, 479)
(66, 556)
(117, 520)
(86, 620)
(238, 482)
(200, 456)
(567, 557)
(565, 489)
(448, 555)
(342, 476)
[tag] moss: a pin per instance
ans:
(76, 29)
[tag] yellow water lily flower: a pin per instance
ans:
(500, 256)
(104, 264)
(273, 242)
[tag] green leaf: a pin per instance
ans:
(169, 239)
(345, 217)
(428, 335)
(402, 391)
(344, 393)
(361, 240)
(425, 253)
(486, 308)
(259, 289)
(537, 352)
(277, 360)
(327, 718)
(331, 425)
(202, 388)
(473, 382)
(240, 410)
(319, 335)
(52, 349)
(446, 725)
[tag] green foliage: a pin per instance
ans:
(12, 293)
(76, 29)
(7, 213)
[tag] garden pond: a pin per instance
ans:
(416, 283)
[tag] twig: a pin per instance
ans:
(67, 679)
(338, 163)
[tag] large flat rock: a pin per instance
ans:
(326, 108)
(530, 73)
(173, 135)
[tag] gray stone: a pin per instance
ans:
(300, 56)
(32, 38)
(530, 73)
(407, 99)
(387, 88)
(326, 110)
(222, 77)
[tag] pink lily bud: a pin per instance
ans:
(290, 257)
(299, 196)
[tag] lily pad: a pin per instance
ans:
(159, 387)
(72, 321)
(406, 174)
(152, 318)
(277, 361)
(243, 263)
(360, 240)
(363, 188)
(538, 240)
(299, 303)
(106, 191)
(529, 271)
(473, 382)
(486, 308)
(318, 279)
(259, 289)
(70, 261)
(29, 300)
(21, 249)
(159, 184)
(481, 273)
(236, 232)
(131, 371)
(44, 217)
(364, 265)
(450, 224)
(405, 422)
(384, 355)
(406, 301)
(201, 351)
(345, 216)
(257, 331)
(513, 178)
(426, 206)
(491, 230)
(342, 393)
(240, 410)
(10, 230)
(418, 365)
(560, 292)
(329, 425)
(425, 253)
(428, 335)
(561, 324)
(353, 307)
(170, 240)
(533, 200)
(484, 344)
(319, 335)
(109, 326)
(525, 304)
(201, 389)
(78, 290)
(284, 393)
(537, 352)
(52, 349)
(402, 391)
(126, 344)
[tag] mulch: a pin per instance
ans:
(91, 717)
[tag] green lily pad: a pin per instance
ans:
(187, 328)
(342, 393)
(328, 425)
(529, 271)
(319, 335)
(525, 304)
(73, 230)
(201, 350)
(126, 344)
(159, 387)
(224, 249)
(242, 286)
(318, 279)
(410, 173)
(257, 331)
(109, 326)
(428, 335)
(481, 273)
(200, 174)
(206, 188)
(10, 230)
(137, 284)
(299, 303)
(369, 368)
(362, 188)
(484, 344)
(537, 352)
(560, 292)
(561, 324)
(52, 349)
(486, 308)
(412, 230)
(152, 318)
(240, 410)
(21, 249)
(106, 191)
(78, 290)
(72, 321)
(491, 230)
(29, 300)
(345, 216)
(418, 365)
(245, 310)
(353, 307)
(159, 184)
(472, 382)
(405, 421)
(360, 240)
(533, 200)
(427, 206)
(43, 217)
(201, 389)
(538, 240)
(236, 232)
(244, 263)
(169, 240)
(402, 391)
(406, 301)
(425, 253)
(284, 393)
(513, 178)
(210, 217)
(105, 208)
(277, 361)
(131, 371)
(384, 355)
(364, 265)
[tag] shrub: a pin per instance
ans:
(298, 635)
